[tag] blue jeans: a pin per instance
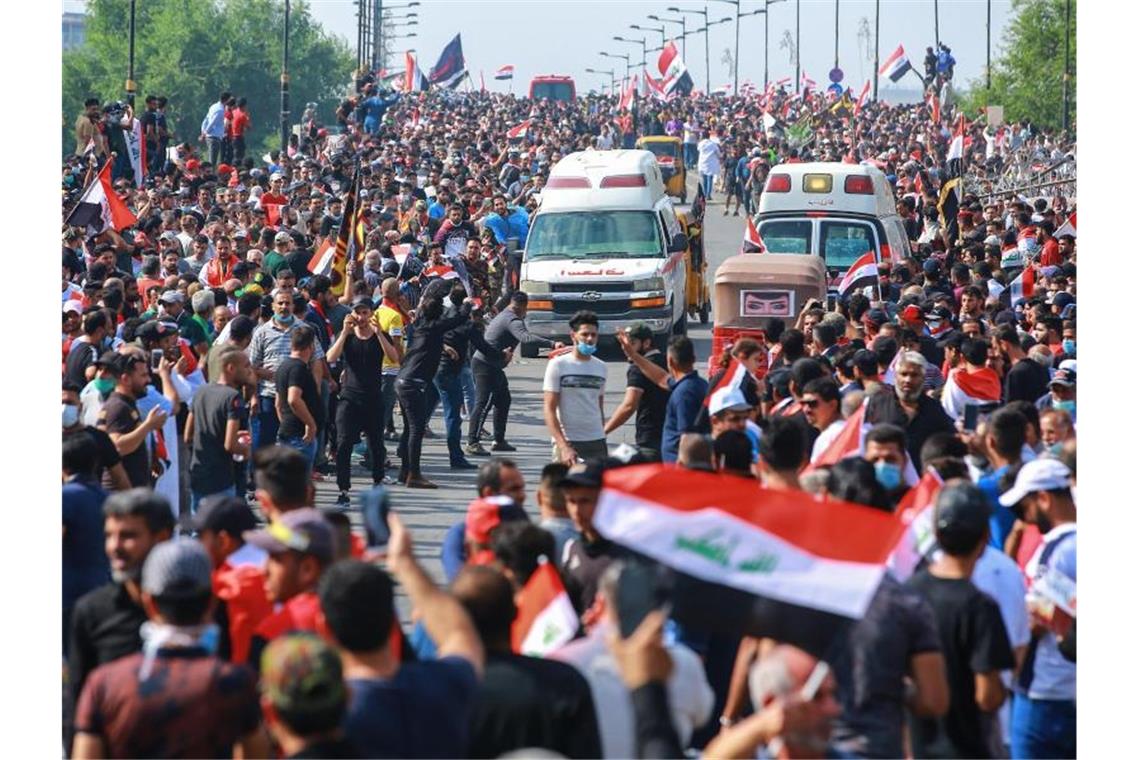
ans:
(1042, 728)
(264, 427)
(450, 391)
(196, 498)
(707, 184)
(298, 443)
(467, 382)
(690, 155)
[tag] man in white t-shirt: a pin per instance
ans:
(709, 156)
(821, 404)
(573, 390)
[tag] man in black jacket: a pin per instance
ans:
(504, 332)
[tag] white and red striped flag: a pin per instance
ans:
(1022, 286)
(1069, 227)
(916, 510)
(321, 262)
(806, 81)
(730, 382)
(963, 388)
(546, 618)
(752, 242)
(505, 72)
(784, 81)
(848, 443)
(519, 130)
(865, 271)
(749, 560)
(100, 208)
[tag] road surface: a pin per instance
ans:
(430, 513)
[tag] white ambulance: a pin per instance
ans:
(833, 210)
(605, 238)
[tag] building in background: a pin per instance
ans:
(74, 30)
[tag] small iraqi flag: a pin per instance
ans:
(916, 510)
(848, 443)
(1022, 286)
(730, 382)
(963, 388)
(505, 72)
(546, 618)
(100, 208)
(518, 131)
(752, 242)
(321, 262)
(1069, 227)
(862, 96)
(865, 271)
(749, 560)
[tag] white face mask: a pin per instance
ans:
(70, 415)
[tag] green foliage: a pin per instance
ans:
(1028, 71)
(191, 50)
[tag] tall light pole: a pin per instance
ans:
(659, 29)
(797, 43)
(285, 85)
(875, 73)
(644, 51)
(131, 60)
(759, 12)
(937, 39)
(836, 33)
(1065, 75)
(623, 56)
(379, 22)
(684, 33)
(604, 71)
(767, 5)
(988, 46)
(704, 13)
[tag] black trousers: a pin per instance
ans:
(352, 417)
(413, 397)
(490, 387)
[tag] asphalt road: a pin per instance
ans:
(429, 513)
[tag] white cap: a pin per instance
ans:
(728, 399)
(1045, 474)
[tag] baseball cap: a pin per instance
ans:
(876, 317)
(733, 401)
(912, 313)
(179, 567)
(74, 306)
(1044, 474)
(639, 331)
(224, 514)
(301, 674)
(154, 330)
(588, 474)
(276, 176)
(362, 301)
(168, 235)
(1066, 377)
(484, 515)
(930, 266)
(302, 530)
(1063, 299)
(108, 359)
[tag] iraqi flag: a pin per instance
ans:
(806, 82)
(732, 381)
(935, 108)
(749, 560)
(896, 66)
(916, 511)
(626, 102)
(864, 272)
(1069, 227)
(519, 131)
(675, 78)
(450, 70)
(784, 82)
(964, 388)
(862, 96)
(136, 151)
(414, 79)
(655, 86)
(100, 208)
(546, 618)
(505, 72)
(848, 443)
(1022, 286)
(322, 260)
(752, 242)
(948, 193)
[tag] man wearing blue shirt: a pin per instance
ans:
(507, 222)
(687, 390)
(373, 108)
(214, 128)
(1043, 722)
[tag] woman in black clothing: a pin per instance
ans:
(421, 360)
(358, 408)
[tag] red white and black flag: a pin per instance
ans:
(100, 208)
(518, 132)
(546, 618)
(864, 272)
(951, 187)
(749, 560)
(752, 242)
(675, 78)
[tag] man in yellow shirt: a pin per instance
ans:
(390, 319)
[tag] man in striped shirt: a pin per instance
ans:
(269, 346)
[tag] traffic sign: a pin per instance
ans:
(835, 75)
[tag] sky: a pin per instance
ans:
(562, 37)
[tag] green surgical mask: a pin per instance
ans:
(104, 384)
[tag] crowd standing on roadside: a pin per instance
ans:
(211, 379)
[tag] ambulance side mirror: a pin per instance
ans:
(678, 243)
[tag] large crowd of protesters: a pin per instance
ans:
(214, 374)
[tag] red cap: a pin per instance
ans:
(192, 165)
(912, 314)
(225, 169)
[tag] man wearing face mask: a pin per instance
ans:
(885, 449)
(1043, 720)
(108, 463)
(269, 346)
(574, 390)
(1062, 390)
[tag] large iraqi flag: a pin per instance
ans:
(100, 208)
(749, 560)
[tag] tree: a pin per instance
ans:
(1028, 72)
(191, 50)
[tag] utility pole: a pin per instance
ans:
(797, 82)
(131, 60)
(766, 50)
(937, 39)
(1065, 76)
(875, 73)
(988, 45)
(836, 33)
(285, 86)
(378, 35)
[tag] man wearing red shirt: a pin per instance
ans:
(220, 268)
(239, 574)
(239, 126)
(300, 546)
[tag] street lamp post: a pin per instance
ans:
(767, 4)
(736, 53)
(659, 29)
(705, 14)
(875, 73)
(684, 33)
(644, 51)
(604, 71)
(836, 33)
(131, 60)
(625, 57)
(379, 22)
(284, 85)
(797, 83)
(1065, 75)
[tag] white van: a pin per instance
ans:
(605, 238)
(833, 210)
